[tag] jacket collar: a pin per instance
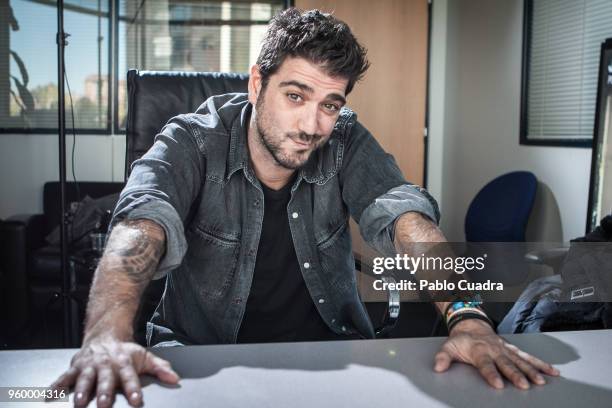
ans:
(238, 155)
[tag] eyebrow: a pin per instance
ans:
(333, 96)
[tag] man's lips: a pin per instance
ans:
(300, 143)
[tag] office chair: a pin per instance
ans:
(500, 210)
(499, 213)
(153, 98)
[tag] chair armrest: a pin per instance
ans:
(552, 257)
(392, 312)
(392, 309)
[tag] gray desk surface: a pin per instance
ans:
(374, 373)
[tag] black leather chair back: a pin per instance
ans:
(155, 96)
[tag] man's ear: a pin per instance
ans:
(254, 83)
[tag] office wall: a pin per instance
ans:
(436, 138)
(27, 161)
(395, 34)
(476, 112)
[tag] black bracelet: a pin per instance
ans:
(461, 304)
(465, 316)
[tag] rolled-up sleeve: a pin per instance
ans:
(376, 192)
(377, 224)
(162, 186)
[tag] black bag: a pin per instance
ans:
(587, 283)
(578, 299)
(87, 216)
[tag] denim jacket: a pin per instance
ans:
(197, 182)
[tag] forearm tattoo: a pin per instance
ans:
(134, 249)
(129, 262)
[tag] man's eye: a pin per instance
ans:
(294, 97)
(331, 107)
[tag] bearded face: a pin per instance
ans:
(296, 110)
(290, 149)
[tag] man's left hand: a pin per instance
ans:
(474, 342)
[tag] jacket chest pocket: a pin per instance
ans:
(337, 261)
(212, 258)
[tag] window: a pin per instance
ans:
(562, 43)
(28, 65)
(108, 37)
(188, 35)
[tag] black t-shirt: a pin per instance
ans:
(279, 307)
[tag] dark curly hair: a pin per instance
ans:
(317, 37)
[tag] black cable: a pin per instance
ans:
(73, 136)
(133, 20)
(76, 184)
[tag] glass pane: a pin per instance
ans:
(87, 63)
(565, 39)
(601, 187)
(183, 35)
(28, 64)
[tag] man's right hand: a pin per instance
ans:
(104, 365)
(108, 359)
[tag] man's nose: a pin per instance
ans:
(309, 121)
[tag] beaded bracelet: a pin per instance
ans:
(466, 316)
(457, 311)
(456, 306)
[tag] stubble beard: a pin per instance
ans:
(274, 147)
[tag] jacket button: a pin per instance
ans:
(306, 265)
(294, 215)
(321, 300)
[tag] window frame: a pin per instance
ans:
(113, 127)
(69, 130)
(523, 139)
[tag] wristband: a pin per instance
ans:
(466, 316)
(463, 310)
(456, 306)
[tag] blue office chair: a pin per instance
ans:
(500, 210)
(499, 213)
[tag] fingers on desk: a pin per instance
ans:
(66, 380)
(443, 361)
(107, 377)
(84, 385)
(106, 380)
(131, 384)
(519, 367)
(507, 367)
(529, 369)
(105, 389)
(160, 368)
(488, 371)
(534, 361)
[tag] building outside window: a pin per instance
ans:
(108, 37)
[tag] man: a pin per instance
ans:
(244, 205)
